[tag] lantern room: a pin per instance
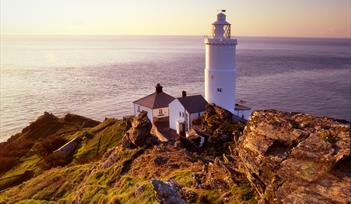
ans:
(221, 28)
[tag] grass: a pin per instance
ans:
(124, 176)
(26, 163)
(182, 176)
(208, 196)
(49, 186)
(106, 135)
(244, 193)
(134, 190)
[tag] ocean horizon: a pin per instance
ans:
(100, 76)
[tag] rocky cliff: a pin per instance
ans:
(277, 157)
(296, 158)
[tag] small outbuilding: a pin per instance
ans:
(242, 111)
(185, 109)
(155, 104)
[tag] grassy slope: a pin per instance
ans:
(120, 176)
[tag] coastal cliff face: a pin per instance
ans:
(277, 157)
(296, 158)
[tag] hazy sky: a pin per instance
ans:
(303, 18)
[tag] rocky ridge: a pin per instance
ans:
(277, 157)
(296, 158)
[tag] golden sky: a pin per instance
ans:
(285, 18)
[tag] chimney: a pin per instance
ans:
(183, 94)
(159, 88)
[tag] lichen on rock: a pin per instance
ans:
(288, 158)
(139, 133)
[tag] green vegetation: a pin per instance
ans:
(208, 196)
(182, 176)
(134, 190)
(100, 170)
(49, 186)
(99, 139)
(244, 192)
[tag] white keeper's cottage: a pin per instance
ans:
(185, 109)
(155, 104)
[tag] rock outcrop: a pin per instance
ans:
(296, 158)
(280, 158)
(139, 132)
(215, 130)
(168, 192)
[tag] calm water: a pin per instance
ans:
(99, 77)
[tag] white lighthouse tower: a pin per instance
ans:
(220, 65)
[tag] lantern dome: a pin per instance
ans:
(221, 19)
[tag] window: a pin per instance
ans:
(219, 89)
(160, 112)
(227, 33)
(180, 114)
(138, 108)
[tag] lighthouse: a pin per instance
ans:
(220, 65)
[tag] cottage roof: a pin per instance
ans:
(194, 103)
(158, 99)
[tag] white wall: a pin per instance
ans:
(157, 114)
(243, 113)
(175, 107)
(142, 108)
(220, 72)
(220, 54)
(224, 80)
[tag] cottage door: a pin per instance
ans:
(186, 121)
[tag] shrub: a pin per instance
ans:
(197, 121)
(7, 163)
(49, 144)
(54, 160)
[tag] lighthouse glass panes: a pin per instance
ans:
(227, 31)
(213, 29)
(221, 31)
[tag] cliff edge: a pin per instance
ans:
(277, 157)
(296, 158)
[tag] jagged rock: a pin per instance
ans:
(216, 112)
(168, 192)
(216, 131)
(139, 131)
(296, 158)
(219, 125)
(196, 138)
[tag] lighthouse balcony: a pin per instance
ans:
(209, 40)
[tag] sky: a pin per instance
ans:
(284, 18)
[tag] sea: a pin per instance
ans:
(100, 76)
